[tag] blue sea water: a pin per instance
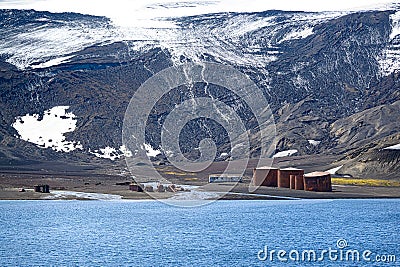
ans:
(223, 233)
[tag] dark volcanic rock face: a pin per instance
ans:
(362, 140)
(328, 77)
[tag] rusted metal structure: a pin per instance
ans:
(41, 188)
(318, 181)
(265, 176)
(160, 188)
(292, 179)
(299, 182)
(135, 187)
(171, 188)
(284, 176)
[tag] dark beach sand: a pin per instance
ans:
(11, 183)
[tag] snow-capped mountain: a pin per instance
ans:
(315, 69)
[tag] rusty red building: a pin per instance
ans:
(292, 178)
(318, 181)
(284, 177)
(135, 187)
(265, 176)
(299, 182)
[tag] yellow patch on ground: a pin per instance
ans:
(191, 179)
(366, 182)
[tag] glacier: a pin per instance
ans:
(162, 24)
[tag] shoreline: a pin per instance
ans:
(214, 192)
(88, 186)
